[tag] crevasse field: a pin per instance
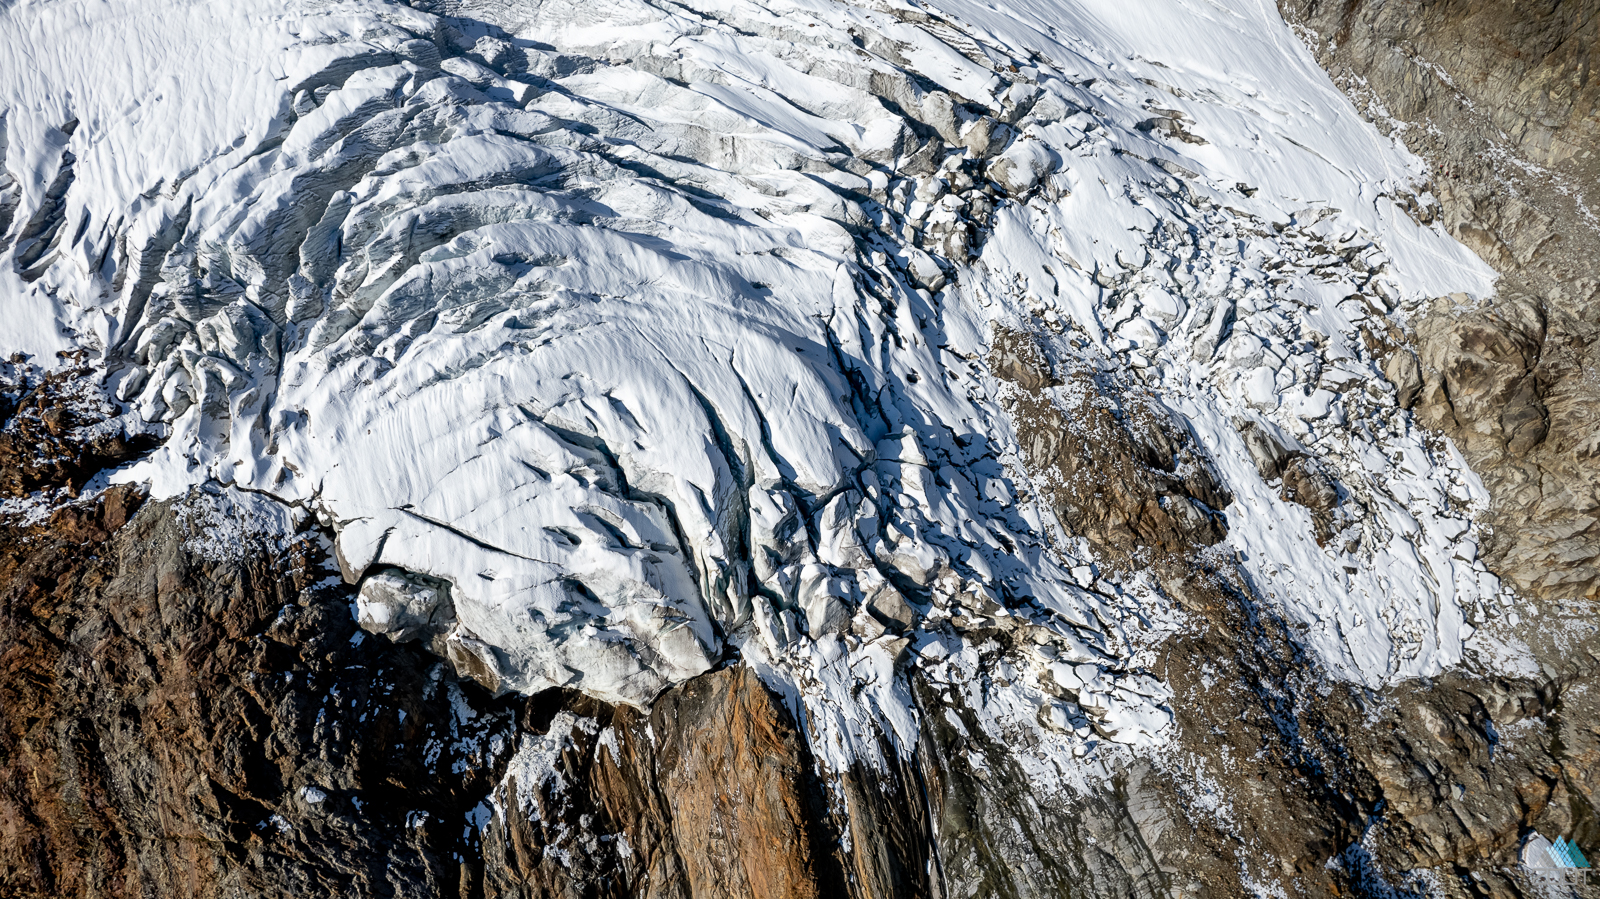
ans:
(661, 332)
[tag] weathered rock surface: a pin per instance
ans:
(1499, 98)
(57, 429)
(175, 724)
(711, 793)
(1120, 469)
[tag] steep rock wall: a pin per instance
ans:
(1501, 99)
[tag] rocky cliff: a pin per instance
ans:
(1500, 100)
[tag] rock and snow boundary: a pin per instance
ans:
(657, 335)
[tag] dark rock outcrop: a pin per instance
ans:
(1500, 99)
(57, 429)
(710, 793)
(177, 724)
(1119, 468)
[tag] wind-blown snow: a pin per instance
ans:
(660, 331)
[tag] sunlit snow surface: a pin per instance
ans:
(609, 314)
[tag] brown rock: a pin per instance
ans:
(1500, 101)
(97, 521)
(173, 724)
(52, 434)
(736, 773)
(1405, 373)
(711, 794)
(1482, 381)
(1119, 468)
(1308, 484)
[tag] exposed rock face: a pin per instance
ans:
(1119, 467)
(57, 429)
(183, 724)
(709, 794)
(1499, 98)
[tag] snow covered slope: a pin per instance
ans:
(652, 334)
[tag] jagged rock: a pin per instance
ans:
(181, 722)
(711, 793)
(1121, 470)
(57, 430)
(1446, 775)
(1266, 450)
(99, 519)
(1481, 381)
(1405, 373)
(1496, 96)
(1306, 483)
(155, 687)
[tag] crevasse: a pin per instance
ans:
(664, 334)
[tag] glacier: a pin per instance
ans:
(659, 336)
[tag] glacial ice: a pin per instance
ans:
(659, 332)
